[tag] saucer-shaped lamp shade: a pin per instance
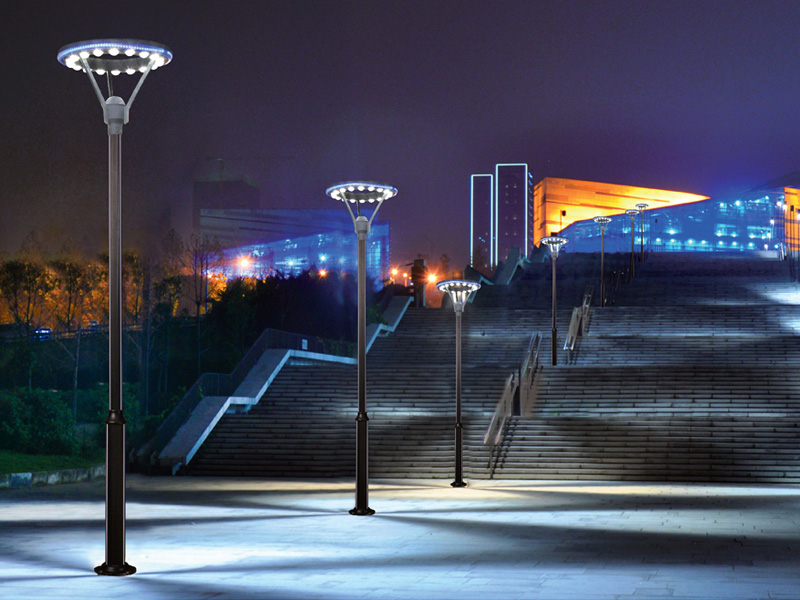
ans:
(115, 56)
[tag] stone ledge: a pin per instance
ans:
(38, 478)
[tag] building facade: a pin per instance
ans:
(263, 242)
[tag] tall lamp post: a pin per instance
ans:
(111, 57)
(602, 221)
(641, 206)
(459, 292)
(554, 242)
(632, 214)
(358, 194)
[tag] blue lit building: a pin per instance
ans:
(501, 214)
(262, 242)
(762, 219)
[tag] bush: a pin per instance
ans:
(36, 422)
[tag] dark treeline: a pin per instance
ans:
(179, 323)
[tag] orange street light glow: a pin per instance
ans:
(323, 273)
(432, 278)
(244, 262)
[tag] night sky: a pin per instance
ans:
(297, 95)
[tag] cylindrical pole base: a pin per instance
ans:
(115, 498)
(362, 484)
(459, 478)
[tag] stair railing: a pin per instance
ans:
(530, 366)
(579, 322)
(523, 380)
(505, 406)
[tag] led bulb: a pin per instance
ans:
(101, 72)
(113, 51)
(130, 71)
(115, 72)
(97, 52)
(84, 54)
(144, 54)
(130, 52)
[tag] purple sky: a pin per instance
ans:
(694, 96)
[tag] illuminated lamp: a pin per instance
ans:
(641, 206)
(358, 193)
(112, 57)
(632, 214)
(460, 292)
(555, 243)
(602, 221)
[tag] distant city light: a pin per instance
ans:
(323, 273)
(244, 263)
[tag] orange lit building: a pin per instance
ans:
(559, 202)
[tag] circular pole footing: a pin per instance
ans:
(362, 512)
(459, 483)
(115, 570)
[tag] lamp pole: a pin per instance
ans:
(358, 193)
(602, 221)
(641, 206)
(554, 242)
(111, 57)
(632, 214)
(459, 292)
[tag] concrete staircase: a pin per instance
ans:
(690, 376)
(304, 424)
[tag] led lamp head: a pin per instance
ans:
(555, 243)
(114, 56)
(459, 291)
(602, 221)
(632, 212)
(642, 206)
(361, 192)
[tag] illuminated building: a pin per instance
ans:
(481, 239)
(517, 214)
(762, 219)
(261, 242)
(557, 202)
(513, 191)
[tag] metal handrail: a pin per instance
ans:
(530, 366)
(522, 380)
(502, 411)
(579, 321)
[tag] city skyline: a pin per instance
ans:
(671, 95)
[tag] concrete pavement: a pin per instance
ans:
(198, 538)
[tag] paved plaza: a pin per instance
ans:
(290, 539)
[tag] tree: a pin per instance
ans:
(73, 284)
(24, 285)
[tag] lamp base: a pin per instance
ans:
(459, 483)
(362, 512)
(115, 570)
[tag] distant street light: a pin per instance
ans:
(602, 221)
(358, 193)
(459, 292)
(641, 206)
(632, 214)
(110, 57)
(554, 242)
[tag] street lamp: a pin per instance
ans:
(554, 242)
(641, 206)
(111, 57)
(459, 292)
(360, 193)
(602, 221)
(632, 214)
